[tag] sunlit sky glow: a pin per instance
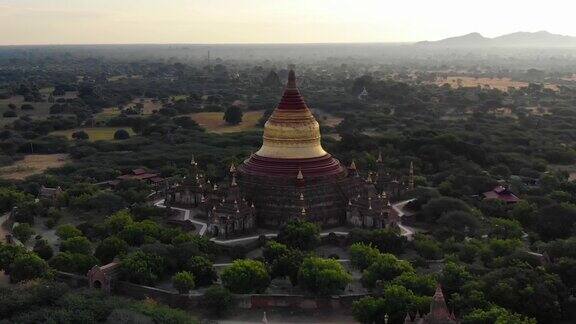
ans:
(272, 21)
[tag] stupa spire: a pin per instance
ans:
(291, 132)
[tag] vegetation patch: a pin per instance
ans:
(94, 134)
(32, 164)
(214, 121)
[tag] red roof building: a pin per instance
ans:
(503, 194)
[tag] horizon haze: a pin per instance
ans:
(61, 22)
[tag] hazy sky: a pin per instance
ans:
(272, 21)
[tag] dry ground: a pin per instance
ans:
(327, 119)
(32, 164)
(501, 84)
(213, 121)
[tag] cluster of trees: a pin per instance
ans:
(42, 301)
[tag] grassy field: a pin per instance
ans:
(32, 164)
(213, 121)
(41, 109)
(501, 84)
(149, 105)
(106, 114)
(96, 133)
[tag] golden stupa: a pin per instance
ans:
(291, 132)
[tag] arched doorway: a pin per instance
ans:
(97, 284)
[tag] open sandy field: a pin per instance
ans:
(213, 121)
(501, 84)
(96, 133)
(327, 119)
(32, 164)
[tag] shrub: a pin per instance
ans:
(23, 232)
(183, 282)
(9, 114)
(121, 134)
(80, 135)
(66, 232)
(217, 300)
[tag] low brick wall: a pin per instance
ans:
(296, 301)
(191, 301)
(71, 279)
(167, 297)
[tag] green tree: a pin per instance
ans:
(505, 228)
(363, 255)
(323, 276)
(385, 268)
(73, 262)
(110, 248)
(420, 284)
(8, 253)
(233, 115)
(437, 207)
(454, 276)
(80, 135)
(496, 315)
(28, 266)
(183, 282)
(67, 231)
(556, 221)
(142, 268)
(202, 269)
(43, 249)
(217, 300)
(524, 212)
(246, 276)
(283, 261)
(118, 221)
(10, 197)
(369, 310)
(299, 234)
(23, 232)
(427, 247)
(121, 134)
(79, 244)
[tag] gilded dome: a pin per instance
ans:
(291, 132)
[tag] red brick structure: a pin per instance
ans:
(439, 313)
(102, 277)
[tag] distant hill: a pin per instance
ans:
(519, 39)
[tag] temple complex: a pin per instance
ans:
(290, 177)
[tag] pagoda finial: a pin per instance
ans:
(379, 160)
(232, 168)
(352, 165)
(291, 80)
(300, 175)
(407, 319)
(193, 161)
(233, 184)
